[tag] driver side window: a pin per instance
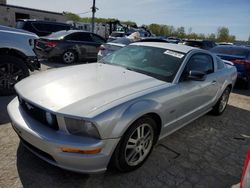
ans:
(200, 62)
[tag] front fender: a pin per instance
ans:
(118, 122)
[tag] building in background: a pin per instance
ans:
(10, 13)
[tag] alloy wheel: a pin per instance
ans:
(10, 74)
(69, 57)
(139, 144)
(224, 100)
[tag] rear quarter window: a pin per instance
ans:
(220, 63)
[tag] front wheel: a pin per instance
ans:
(136, 145)
(221, 105)
(12, 70)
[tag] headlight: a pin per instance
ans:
(81, 127)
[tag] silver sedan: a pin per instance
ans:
(87, 118)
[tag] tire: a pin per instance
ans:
(132, 151)
(69, 57)
(221, 105)
(12, 70)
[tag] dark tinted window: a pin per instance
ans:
(231, 51)
(50, 27)
(98, 39)
(55, 28)
(209, 44)
(200, 62)
(79, 37)
(194, 43)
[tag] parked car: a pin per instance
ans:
(245, 178)
(240, 56)
(116, 35)
(17, 57)
(86, 117)
(117, 44)
(70, 46)
(203, 44)
(143, 33)
(174, 40)
(41, 28)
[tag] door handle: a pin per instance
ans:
(213, 82)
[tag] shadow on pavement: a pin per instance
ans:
(34, 172)
(51, 65)
(4, 101)
(242, 91)
(209, 152)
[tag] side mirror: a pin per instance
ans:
(196, 75)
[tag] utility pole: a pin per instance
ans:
(93, 16)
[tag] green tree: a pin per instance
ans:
(129, 23)
(181, 32)
(223, 34)
(72, 16)
(192, 36)
(211, 36)
(155, 28)
(201, 36)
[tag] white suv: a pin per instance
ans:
(17, 57)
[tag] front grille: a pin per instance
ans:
(37, 151)
(38, 114)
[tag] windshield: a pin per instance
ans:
(159, 63)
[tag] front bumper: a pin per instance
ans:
(46, 143)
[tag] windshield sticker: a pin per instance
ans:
(174, 54)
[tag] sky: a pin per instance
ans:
(203, 16)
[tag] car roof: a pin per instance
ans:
(73, 31)
(175, 47)
(41, 21)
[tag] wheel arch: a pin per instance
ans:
(136, 111)
(13, 52)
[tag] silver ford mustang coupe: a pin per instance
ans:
(86, 118)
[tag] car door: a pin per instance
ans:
(97, 41)
(83, 43)
(196, 97)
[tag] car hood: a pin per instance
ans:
(16, 31)
(80, 90)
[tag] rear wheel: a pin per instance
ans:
(69, 57)
(12, 70)
(221, 105)
(136, 145)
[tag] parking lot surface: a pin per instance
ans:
(207, 153)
